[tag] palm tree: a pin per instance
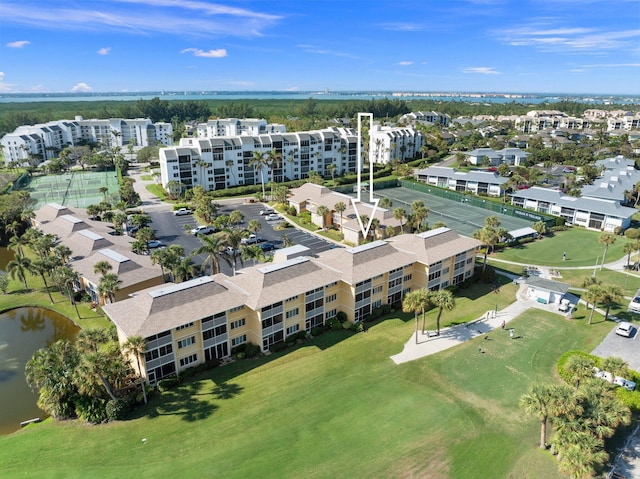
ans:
(610, 294)
(286, 241)
(182, 270)
(615, 366)
(579, 367)
(12, 228)
(62, 253)
(66, 279)
(331, 168)
(593, 295)
(400, 214)
(488, 237)
(606, 239)
(386, 203)
(322, 212)
(42, 267)
(413, 303)
(19, 267)
(630, 248)
(16, 243)
(109, 285)
(254, 226)
(232, 248)
(211, 246)
(340, 206)
(260, 161)
(253, 252)
(443, 299)
(136, 345)
(236, 217)
(539, 401)
(102, 267)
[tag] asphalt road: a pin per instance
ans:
(170, 229)
(621, 347)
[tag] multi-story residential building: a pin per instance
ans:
(189, 323)
(91, 242)
(426, 117)
(538, 120)
(223, 162)
(477, 182)
(387, 143)
(236, 127)
(45, 141)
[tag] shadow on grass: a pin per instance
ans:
(179, 402)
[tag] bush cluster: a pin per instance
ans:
(168, 383)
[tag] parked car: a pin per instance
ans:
(251, 239)
(154, 244)
(266, 211)
(182, 211)
(624, 329)
(634, 304)
(564, 305)
(203, 230)
(267, 247)
(625, 383)
(273, 217)
(569, 169)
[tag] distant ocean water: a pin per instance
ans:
(531, 98)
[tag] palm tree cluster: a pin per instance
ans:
(421, 300)
(490, 235)
(79, 379)
(583, 414)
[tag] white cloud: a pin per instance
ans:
(81, 87)
(481, 70)
(404, 64)
(104, 51)
(402, 27)
(18, 44)
(143, 17)
(4, 87)
(219, 53)
(292, 88)
(322, 51)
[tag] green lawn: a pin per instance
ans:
(628, 283)
(335, 407)
(581, 245)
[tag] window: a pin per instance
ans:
(238, 323)
(293, 329)
(184, 326)
(237, 308)
(377, 290)
(376, 304)
(239, 340)
(189, 359)
(331, 314)
(292, 298)
(293, 312)
(183, 343)
(331, 298)
(407, 277)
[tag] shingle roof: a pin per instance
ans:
(434, 245)
(548, 284)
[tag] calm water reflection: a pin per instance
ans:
(22, 332)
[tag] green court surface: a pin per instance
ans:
(460, 217)
(76, 189)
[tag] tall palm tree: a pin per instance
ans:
(254, 226)
(19, 267)
(43, 245)
(538, 401)
(488, 236)
(413, 302)
(253, 252)
(42, 267)
(232, 248)
(136, 345)
(443, 299)
(592, 296)
(615, 366)
(579, 368)
(159, 256)
(182, 270)
(62, 252)
(109, 285)
(606, 239)
(66, 279)
(400, 214)
(16, 243)
(630, 248)
(340, 206)
(236, 217)
(610, 294)
(260, 161)
(211, 246)
(322, 212)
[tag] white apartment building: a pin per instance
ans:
(427, 117)
(224, 161)
(44, 141)
(236, 127)
(538, 120)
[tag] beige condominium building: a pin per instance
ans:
(196, 321)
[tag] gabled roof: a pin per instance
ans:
(366, 261)
(548, 284)
(161, 308)
(434, 245)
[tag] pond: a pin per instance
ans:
(22, 332)
(6, 255)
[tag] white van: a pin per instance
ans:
(634, 304)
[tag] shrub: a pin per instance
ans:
(347, 325)
(240, 348)
(301, 335)
(119, 409)
(168, 383)
(562, 371)
(276, 348)
(631, 399)
(341, 316)
(334, 324)
(239, 355)
(316, 331)
(252, 350)
(632, 233)
(91, 409)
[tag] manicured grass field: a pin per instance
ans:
(581, 245)
(335, 407)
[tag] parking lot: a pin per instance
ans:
(170, 229)
(621, 347)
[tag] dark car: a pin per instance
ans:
(267, 247)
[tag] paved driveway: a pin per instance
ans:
(621, 347)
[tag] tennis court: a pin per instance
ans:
(459, 216)
(77, 189)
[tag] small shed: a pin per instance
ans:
(545, 291)
(522, 233)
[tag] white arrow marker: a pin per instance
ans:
(355, 201)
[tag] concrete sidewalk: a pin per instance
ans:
(454, 335)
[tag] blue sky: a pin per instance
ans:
(545, 46)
